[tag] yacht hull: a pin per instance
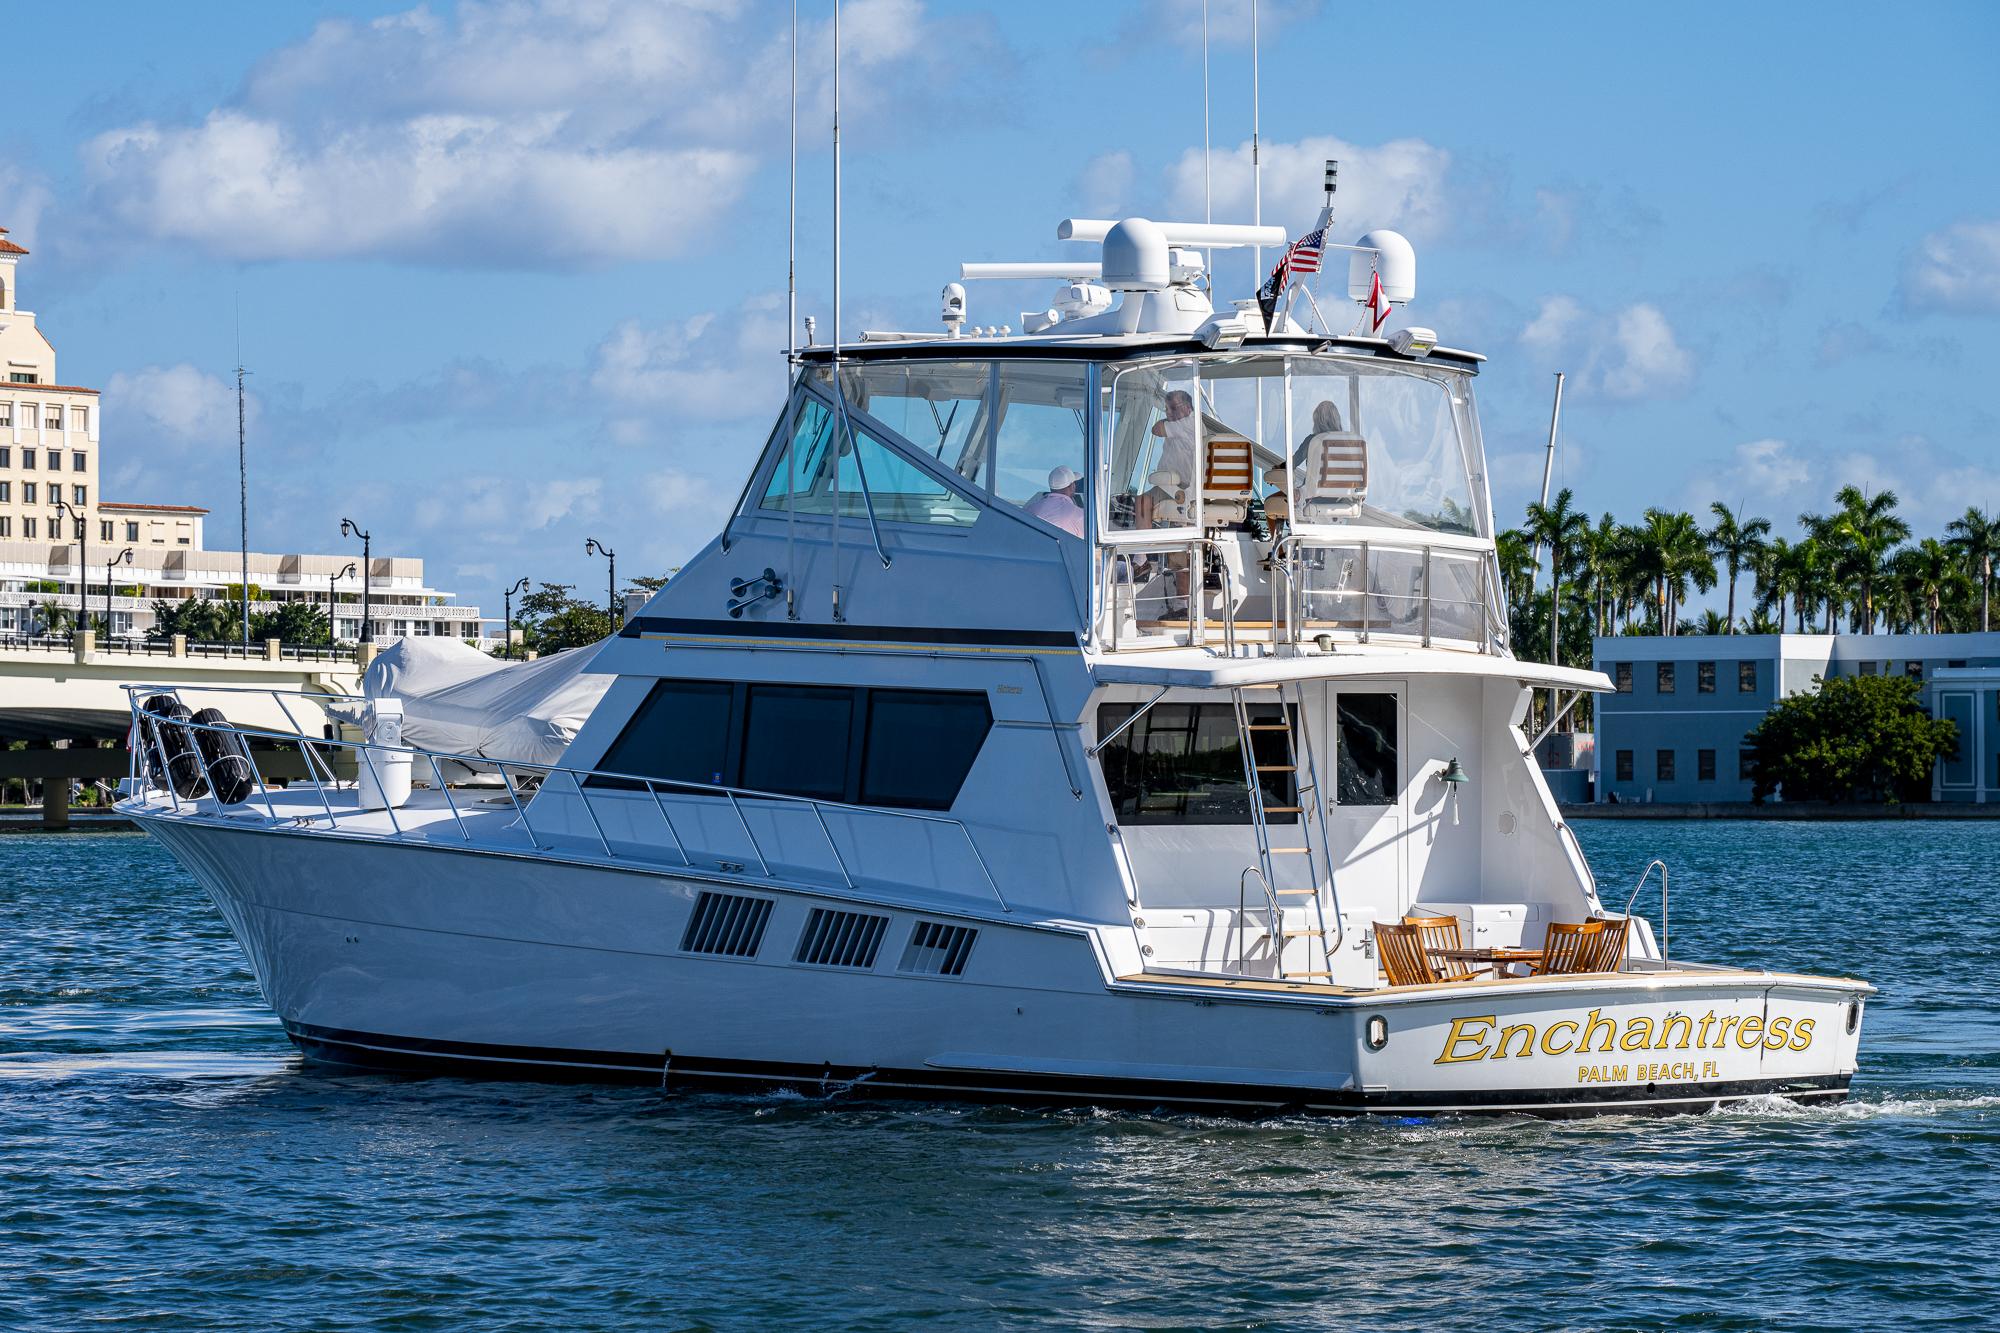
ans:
(425, 957)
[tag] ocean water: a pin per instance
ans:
(167, 1162)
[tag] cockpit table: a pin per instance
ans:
(1499, 956)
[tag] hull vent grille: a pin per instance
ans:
(726, 924)
(937, 949)
(840, 939)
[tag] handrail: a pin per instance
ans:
(1276, 929)
(1666, 929)
(581, 779)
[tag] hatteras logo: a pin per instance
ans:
(1483, 1037)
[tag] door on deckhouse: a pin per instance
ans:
(1367, 805)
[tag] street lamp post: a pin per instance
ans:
(124, 557)
(82, 561)
(507, 625)
(332, 579)
(592, 546)
(349, 528)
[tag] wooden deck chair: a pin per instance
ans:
(1440, 933)
(1227, 481)
(1339, 463)
(1608, 950)
(1568, 948)
(1405, 961)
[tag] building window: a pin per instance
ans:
(1621, 674)
(6, 527)
(79, 528)
(1867, 668)
(1183, 764)
(28, 459)
(28, 527)
(1624, 766)
(6, 453)
(1914, 670)
(1663, 765)
(131, 532)
(79, 495)
(27, 492)
(1746, 677)
(1746, 764)
(52, 418)
(1704, 765)
(104, 530)
(6, 492)
(79, 462)
(1666, 678)
(55, 460)
(79, 418)
(6, 414)
(22, 377)
(1704, 678)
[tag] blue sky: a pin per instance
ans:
(509, 275)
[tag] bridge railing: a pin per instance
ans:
(155, 760)
(148, 647)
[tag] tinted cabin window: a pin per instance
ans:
(796, 740)
(1183, 764)
(921, 744)
(680, 732)
(1367, 745)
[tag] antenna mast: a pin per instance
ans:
(1207, 185)
(1256, 160)
(243, 503)
(839, 401)
(1548, 467)
(792, 215)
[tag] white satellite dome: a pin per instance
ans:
(1392, 257)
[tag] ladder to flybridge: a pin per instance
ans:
(1310, 807)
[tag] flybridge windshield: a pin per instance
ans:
(1338, 440)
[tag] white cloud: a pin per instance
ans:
(1630, 353)
(716, 367)
(1649, 361)
(1228, 20)
(1399, 184)
(513, 133)
(1956, 269)
(176, 406)
(23, 200)
(1781, 479)
(1554, 324)
(1105, 187)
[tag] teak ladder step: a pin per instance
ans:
(1282, 810)
(1298, 893)
(1300, 934)
(1277, 768)
(1289, 851)
(1267, 726)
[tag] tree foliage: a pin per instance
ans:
(1853, 738)
(550, 619)
(204, 621)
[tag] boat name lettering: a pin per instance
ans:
(1484, 1037)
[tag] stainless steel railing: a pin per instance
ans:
(151, 764)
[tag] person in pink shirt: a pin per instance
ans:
(1059, 505)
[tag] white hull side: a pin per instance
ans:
(397, 955)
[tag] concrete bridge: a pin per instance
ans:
(63, 697)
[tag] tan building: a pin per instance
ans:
(48, 430)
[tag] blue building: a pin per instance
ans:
(1674, 728)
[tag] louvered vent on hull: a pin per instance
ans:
(938, 949)
(727, 924)
(840, 939)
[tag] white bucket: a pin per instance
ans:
(384, 776)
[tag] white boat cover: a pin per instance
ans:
(458, 700)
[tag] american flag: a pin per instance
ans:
(1304, 256)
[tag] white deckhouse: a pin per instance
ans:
(1116, 711)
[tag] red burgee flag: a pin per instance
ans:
(1378, 304)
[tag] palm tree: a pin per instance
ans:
(1517, 569)
(1794, 569)
(1871, 528)
(1737, 543)
(1926, 570)
(1565, 529)
(1976, 537)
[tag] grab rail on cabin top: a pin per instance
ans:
(145, 730)
(1286, 563)
(1666, 928)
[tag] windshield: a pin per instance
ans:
(1333, 440)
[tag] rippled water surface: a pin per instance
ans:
(166, 1161)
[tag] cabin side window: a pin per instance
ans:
(911, 749)
(1366, 762)
(1183, 764)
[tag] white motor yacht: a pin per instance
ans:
(1118, 711)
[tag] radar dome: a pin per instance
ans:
(1135, 257)
(1387, 253)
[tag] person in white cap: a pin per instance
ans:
(1059, 505)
